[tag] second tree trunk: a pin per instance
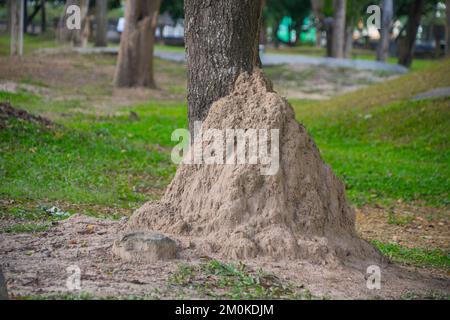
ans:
(135, 62)
(217, 49)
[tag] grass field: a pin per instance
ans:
(386, 148)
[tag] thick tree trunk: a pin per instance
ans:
(447, 41)
(101, 19)
(221, 42)
(317, 10)
(43, 17)
(16, 26)
(337, 47)
(387, 15)
(348, 46)
(329, 36)
(8, 12)
(406, 45)
(78, 38)
(135, 62)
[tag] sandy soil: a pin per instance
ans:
(35, 264)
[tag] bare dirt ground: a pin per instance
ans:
(74, 76)
(35, 265)
(407, 225)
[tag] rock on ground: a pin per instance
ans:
(145, 247)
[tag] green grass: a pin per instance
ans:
(99, 165)
(383, 146)
(415, 256)
(221, 280)
(31, 43)
(26, 228)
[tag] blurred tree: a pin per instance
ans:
(387, 14)
(355, 10)
(135, 61)
(447, 42)
(337, 46)
(175, 8)
(77, 37)
(101, 19)
(407, 42)
(412, 10)
(275, 10)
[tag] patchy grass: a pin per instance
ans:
(99, 166)
(26, 228)
(31, 43)
(220, 280)
(384, 146)
(360, 54)
(415, 256)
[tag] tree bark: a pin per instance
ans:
(16, 25)
(447, 37)
(406, 45)
(43, 17)
(135, 62)
(348, 45)
(337, 47)
(101, 19)
(78, 38)
(385, 32)
(221, 41)
(317, 9)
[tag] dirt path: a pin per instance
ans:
(35, 265)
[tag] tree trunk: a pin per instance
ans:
(406, 45)
(16, 21)
(43, 17)
(76, 37)
(9, 15)
(135, 62)
(447, 37)
(101, 19)
(385, 32)
(221, 42)
(337, 47)
(317, 9)
(329, 36)
(348, 46)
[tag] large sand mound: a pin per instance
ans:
(234, 211)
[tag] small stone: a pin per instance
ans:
(3, 290)
(133, 116)
(145, 247)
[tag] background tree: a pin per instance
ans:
(78, 38)
(16, 26)
(319, 19)
(135, 61)
(447, 42)
(217, 49)
(337, 46)
(387, 14)
(275, 10)
(407, 42)
(101, 19)
(175, 8)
